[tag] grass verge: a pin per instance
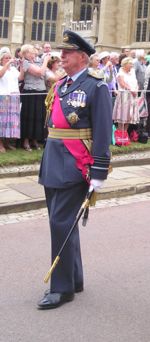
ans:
(22, 157)
(133, 147)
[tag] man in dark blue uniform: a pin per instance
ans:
(76, 155)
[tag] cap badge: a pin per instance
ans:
(65, 38)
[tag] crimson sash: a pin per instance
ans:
(75, 147)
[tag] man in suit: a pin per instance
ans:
(80, 111)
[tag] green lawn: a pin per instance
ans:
(133, 147)
(21, 157)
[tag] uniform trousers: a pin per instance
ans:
(63, 206)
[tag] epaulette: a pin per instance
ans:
(96, 73)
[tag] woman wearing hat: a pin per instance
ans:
(106, 66)
(55, 71)
(9, 100)
(126, 108)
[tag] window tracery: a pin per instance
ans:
(142, 22)
(44, 16)
(87, 8)
(4, 16)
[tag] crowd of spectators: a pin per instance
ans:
(128, 77)
(26, 78)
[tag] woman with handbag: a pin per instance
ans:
(126, 110)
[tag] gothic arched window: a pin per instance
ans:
(47, 32)
(44, 16)
(5, 29)
(139, 14)
(142, 29)
(7, 6)
(145, 9)
(40, 29)
(48, 11)
(1, 27)
(4, 15)
(54, 12)
(34, 29)
(53, 32)
(89, 13)
(87, 8)
(82, 12)
(41, 10)
(35, 10)
(138, 31)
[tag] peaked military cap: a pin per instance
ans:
(72, 41)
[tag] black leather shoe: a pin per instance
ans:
(54, 300)
(78, 288)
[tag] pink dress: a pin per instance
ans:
(126, 105)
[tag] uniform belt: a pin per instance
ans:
(67, 133)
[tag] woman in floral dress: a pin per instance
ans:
(9, 100)
(126, 110)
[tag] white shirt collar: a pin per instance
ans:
(74, 77)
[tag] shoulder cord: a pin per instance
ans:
(49, 101)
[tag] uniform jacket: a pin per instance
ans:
(58, 167)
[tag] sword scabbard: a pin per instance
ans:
(49, 273)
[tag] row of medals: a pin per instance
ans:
(76, 99)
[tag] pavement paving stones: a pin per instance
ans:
(17, 217)
(24, 193)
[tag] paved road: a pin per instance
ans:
(115, 306)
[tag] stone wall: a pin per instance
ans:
(115, 29)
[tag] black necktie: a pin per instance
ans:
(66, 85)
(69, 82)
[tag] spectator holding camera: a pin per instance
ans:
(46, 50)
(9, 100)
(55, 70)
(107, 68)
(33, 99)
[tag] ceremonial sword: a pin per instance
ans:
(84, 209)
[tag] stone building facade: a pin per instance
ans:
(108, 24)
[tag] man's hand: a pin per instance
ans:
(97, 184)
